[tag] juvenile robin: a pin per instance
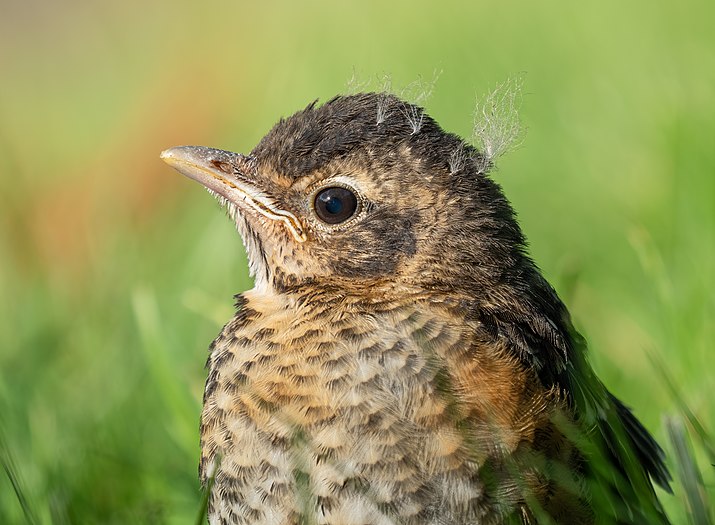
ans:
(400, 359)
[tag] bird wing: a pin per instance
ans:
(620, 457)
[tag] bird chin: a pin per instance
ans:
(258, 268)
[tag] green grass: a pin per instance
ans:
(116, 273)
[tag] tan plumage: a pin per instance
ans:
(405, 364)
(357, 406)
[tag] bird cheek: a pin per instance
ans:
(364, 258)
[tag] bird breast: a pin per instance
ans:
(320, 415)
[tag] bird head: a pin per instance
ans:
(363, 192)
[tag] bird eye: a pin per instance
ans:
(335, 205)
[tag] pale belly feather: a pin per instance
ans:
(327, 419)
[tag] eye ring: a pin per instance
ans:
(335, 204)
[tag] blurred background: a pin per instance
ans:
(116, 272)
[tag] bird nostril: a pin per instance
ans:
(225, 167)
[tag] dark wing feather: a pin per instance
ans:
(647, 450)
(621, 458)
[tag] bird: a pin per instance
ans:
(400, 358)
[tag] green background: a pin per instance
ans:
(116, 273)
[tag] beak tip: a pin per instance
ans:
(167, 154)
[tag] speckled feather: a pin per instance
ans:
(410, 366)
(391, 413)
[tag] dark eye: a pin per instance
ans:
(334, 205)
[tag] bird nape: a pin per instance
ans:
(400, 359)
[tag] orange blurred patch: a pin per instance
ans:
(122, 184)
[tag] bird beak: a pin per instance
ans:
(232, 177)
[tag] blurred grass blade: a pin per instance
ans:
(184, 411)
(690, 476)
(703, 436)
(13, 475)
(203, 509)
(202, 516)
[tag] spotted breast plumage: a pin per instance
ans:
(400, 359)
